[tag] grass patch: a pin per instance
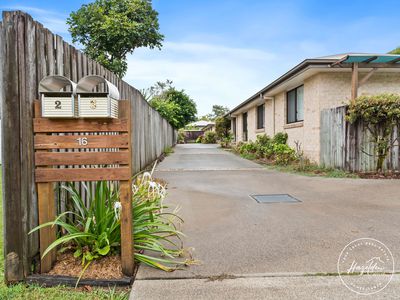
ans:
(313, 170)
(22, 291)
(168, 151)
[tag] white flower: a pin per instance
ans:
(153, 187)
(117, 210)
(146, 177)
(153, 184)
(135, 189)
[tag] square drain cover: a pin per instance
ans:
(274, 198)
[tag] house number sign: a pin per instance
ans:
(82, 141)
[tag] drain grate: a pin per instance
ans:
(274, 198)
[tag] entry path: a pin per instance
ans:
(233, 234)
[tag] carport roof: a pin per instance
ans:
(365, 60)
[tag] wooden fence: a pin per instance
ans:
(348, 146)
(28, 52)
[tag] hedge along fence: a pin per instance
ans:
(348, 146)
(29, 52)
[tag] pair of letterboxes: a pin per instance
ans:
(63, 98)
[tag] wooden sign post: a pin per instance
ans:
(87, 134)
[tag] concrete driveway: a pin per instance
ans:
(233, 234)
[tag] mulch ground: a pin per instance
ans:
(387, 175)
(108, 267)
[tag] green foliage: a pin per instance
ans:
(395, 51)
(111, 29)
(157, 89)
(175, 106)
(280, 138)
(168, 151)
(210, 137)
(217, 111)
(90, 232)
(168, 110)
(95, 231)
(222, 127)
(381, 114)
(283, 154)
(199, 140)
(181, 136)
(264, 147)
(226, 141)
(157, 239)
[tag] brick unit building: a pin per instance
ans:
(293, 102)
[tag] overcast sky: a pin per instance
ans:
(223, 51)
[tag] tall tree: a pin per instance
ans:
(219, 110)
(174, 105)
(111, 29)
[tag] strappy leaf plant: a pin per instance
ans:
(157, 238)
(93, 231)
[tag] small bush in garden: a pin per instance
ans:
(168, 151)
(210, 137)
(157, 239)
(280, 138)
(90, 232)
(181, 136)
(283, 154)
(263, 140)
(199, 140)
(93, 232)
(226, 141)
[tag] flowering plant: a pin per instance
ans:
(157, 238)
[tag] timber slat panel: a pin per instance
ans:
(79, 142)
(80, 174)
(81, 125)
(81, 158)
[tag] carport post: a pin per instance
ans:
(354, 82)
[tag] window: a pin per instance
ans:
(244, 126)
(294, 102)
(234, 128)
(260, 116)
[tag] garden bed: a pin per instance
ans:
(386, 175)
(106, 272)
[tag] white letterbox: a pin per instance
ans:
(94, 104)
(58, 97)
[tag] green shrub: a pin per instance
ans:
(246, 148)
(93, 232)
(280, 138)
(157, 239)
(283, 154)
(226, 141)
(210, 137)
(168, 151)
(90, 232)
(199, 140)
(181, 136)
(263, 140)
